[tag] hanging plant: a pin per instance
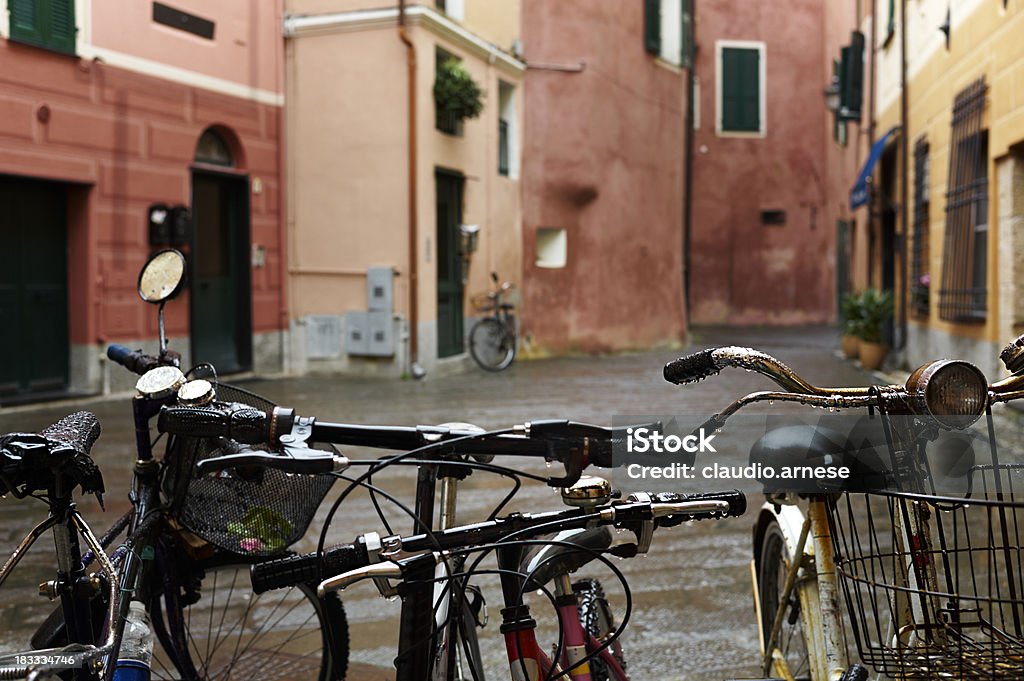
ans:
(455, 92)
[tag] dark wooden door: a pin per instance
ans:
(34, 346)
(221, 303)
(449, 264)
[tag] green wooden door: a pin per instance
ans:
(449, 264)
(34, 346)
(221, 304)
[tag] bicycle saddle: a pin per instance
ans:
(53, 461)
(857, 444)
(575, 549)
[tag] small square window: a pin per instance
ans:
(552, 247)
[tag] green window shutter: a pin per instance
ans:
(652, 26)
(25, 21)
(61, 25)
(686, 34)
(45, 23)
(741, 85)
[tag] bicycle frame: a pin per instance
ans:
(809, 541)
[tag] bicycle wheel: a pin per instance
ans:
(771, 580)
(596, 617)
(221, 631)
(492, 344)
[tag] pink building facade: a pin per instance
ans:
(108, 109)
(603, 175)
(764, 228)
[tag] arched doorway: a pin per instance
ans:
(221, 307)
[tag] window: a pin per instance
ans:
(456, 9)
(213, 150)
(552, 248)
(920, 279)
(508, 157)
(44, 23)
(668, 30)
(740, 88)
(962, 297)
(890, 24)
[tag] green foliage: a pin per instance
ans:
(455, 91)
(853, 314)
(876, 308)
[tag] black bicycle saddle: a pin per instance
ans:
(53, 461)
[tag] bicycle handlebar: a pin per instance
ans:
(576, 444)
(135, 361)
(663, 509)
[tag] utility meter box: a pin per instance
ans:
(380, 289)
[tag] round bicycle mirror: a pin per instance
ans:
(162, 276)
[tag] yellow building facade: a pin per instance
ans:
(956, 256)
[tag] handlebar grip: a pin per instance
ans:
(246, 425)
(737, 503)
(306, 568)
(691, 368)
(133, 360)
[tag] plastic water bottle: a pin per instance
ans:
(136, 651)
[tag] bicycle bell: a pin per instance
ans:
(590, 491)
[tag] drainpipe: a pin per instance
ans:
(904, 193)
(410, 51)
(688, 170)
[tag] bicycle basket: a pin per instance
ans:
(934, 586)
(254, 512)
(482, 302)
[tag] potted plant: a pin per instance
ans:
(456, 94)
(876, 308)
(852, 317)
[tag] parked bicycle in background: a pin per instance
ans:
(493, 338)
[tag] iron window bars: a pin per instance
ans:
(962, 297)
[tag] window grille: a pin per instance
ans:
(962, 297)
(920, 277)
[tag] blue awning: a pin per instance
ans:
(859, 193)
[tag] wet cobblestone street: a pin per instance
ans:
(693, 615)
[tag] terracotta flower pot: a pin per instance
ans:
(850, 345)
(872, 355)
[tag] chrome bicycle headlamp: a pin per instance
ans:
(952, 392)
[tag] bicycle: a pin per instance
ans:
(493, 338)
(580, 535)
(918, 559)
(190, 540)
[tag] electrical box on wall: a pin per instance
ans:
(370, 334)
(169, 225)
(379, 289)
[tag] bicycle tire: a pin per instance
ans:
(771, 577)
(597, 620)
(280, 634)
(492, 344)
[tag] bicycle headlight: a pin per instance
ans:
(953, 392)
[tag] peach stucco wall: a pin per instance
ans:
(245, 48)
(348, 182)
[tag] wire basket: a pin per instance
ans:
(252, 511)
(934, 586)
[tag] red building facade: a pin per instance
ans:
(603, 174)
(763, 230)
(128, 114)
